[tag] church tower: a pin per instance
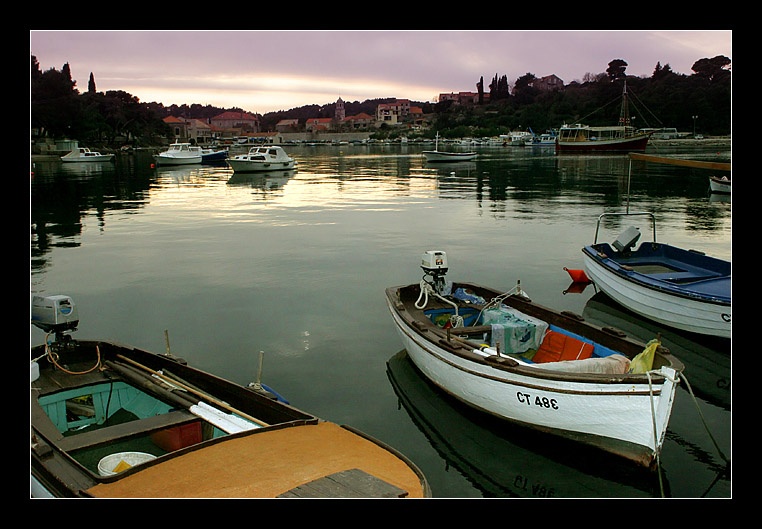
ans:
(340, 112)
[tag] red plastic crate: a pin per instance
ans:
(178, 437)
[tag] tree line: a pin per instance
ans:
(665, 98)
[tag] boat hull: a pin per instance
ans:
(631, 144)
(704, 309)
(248, 166)
(444, 156)
(611, 412)
(171, 160)
(717, 185)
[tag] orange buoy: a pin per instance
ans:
(153, 166)
(578, 276)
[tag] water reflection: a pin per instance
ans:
(503, 460)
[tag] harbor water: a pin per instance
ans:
(295, 264)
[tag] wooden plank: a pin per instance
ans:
(696, 164)
(353, 483)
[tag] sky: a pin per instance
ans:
(265, 71)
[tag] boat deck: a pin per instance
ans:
(318, 460)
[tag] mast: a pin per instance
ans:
(624, 113)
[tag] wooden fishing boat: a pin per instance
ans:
(505, 461)
(719, 184)
(622, 137)
(677, 287)
(501, 353)
(447, 156)
(113, 421)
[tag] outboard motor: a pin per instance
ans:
(57, 314)
(627, 239)
(434, 264)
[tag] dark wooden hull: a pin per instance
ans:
(633, 144)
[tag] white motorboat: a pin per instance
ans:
(179, 154)
(83, 154)
(264, 158)
(447, 156)
(500, 353)
(719, 184)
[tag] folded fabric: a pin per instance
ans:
(515, 331)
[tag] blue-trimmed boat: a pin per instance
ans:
(680, 288)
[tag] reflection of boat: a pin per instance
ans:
(719, 184)
(502, 460)
(264, 180)
(500, 353)
(621, 137)
(179, 154)
(113, 421)
(446, 156)
(83, 154)
(266, 158)
(673, 286)
(706, 359)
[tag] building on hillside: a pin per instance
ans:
(287, 125)
(243, 121)
(548, 83)
(179, 127)
(319, 124)
(361, 121)
(393, 113)
(200, 132)
(463, 98)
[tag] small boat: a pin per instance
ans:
(719, 184)
(676, 287)
(446, 156)
(500, 353)
(212, 155)
(264, 158)
(83, 154)
(546, 139)
(623, 137)
(112, 421)
(179, 154)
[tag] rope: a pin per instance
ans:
(54, 359)
(657, 451)
(706, 426)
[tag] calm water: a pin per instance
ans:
(295, 265)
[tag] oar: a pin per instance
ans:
(189, 389)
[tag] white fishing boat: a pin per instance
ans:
(264, 158)
(447, 156)
(678, 287)
(179, 154)
(500, 353)
(719, 184)
(83, 154)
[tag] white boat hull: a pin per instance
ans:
(444, 156)
(673, 311)
(616, 417)
(171, 160)
(247, 166)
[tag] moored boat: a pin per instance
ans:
(447, 156)
(213, 155)
(500, 353)
(83, 154)
(264, 158)
(179, 153)
(622, 137)
(719, 184)
(113, 421)
(677, 287)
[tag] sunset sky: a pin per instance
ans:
(264, 71)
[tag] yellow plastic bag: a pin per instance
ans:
(644, 361)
